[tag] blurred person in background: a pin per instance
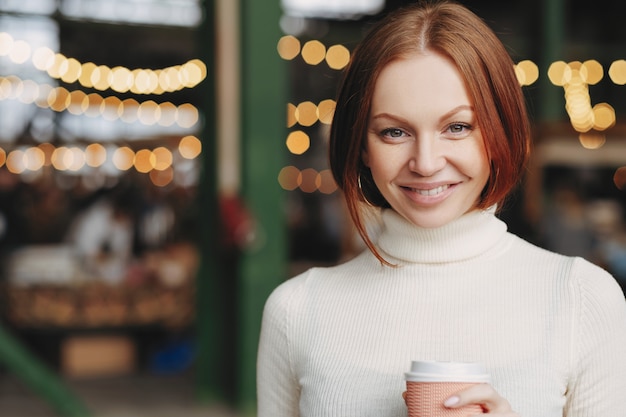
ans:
(431, 128)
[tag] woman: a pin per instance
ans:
(431, 127)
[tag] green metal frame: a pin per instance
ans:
(222, 352)
(263, 98)
(42, 380)
(553, 12)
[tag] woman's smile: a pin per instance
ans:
(428, 195)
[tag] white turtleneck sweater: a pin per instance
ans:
(551, 329)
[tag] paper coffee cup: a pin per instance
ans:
(430, 383)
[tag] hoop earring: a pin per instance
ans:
(369, 203)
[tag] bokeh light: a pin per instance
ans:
(298, 142)
(313, 52)
(619, 178)
(190, 147)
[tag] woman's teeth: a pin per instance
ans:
(433, 191)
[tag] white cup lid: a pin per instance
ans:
(433, 371)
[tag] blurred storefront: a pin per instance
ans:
(101, 135)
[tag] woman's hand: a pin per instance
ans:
(485, 396)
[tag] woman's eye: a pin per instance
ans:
(457, 128)
(393, 133)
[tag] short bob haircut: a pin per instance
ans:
(454, 31)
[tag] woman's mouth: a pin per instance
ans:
(432, 191)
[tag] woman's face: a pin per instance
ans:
(424, 147)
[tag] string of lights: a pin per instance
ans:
(103, 77)
(157, 162)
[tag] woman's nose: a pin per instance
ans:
(427, 158)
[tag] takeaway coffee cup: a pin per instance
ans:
(429, 384)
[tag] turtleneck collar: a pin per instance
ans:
(469, 236)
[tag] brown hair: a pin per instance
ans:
(481, 58)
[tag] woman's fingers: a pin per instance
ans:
(483, 395)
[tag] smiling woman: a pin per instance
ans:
(431, 130)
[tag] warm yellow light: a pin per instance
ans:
(141, 79)
(592, 140)
(6, 86)
(163, 158)
(56, 65)
(100, 77)
(72, 72)
(326, 111)
(559, 73)
(167, 114)
(20, 52)
(288, 47)
(184, 76)
(76, 102)
(298, 142)
(179, 77)
(617, 72)
(3, 156)
(87, 74)
(173, 79)
(164, 79)
(95, 155)
(48, 150)
(309, 180)
(129, 109)
(604, 116)
(189, 147)
(153, 82)
(289, 178)
(582, 123)
(121, 79)
(306, 113)
(591, 72)
(10, 87)
(91, 104)
(337, 57)
(619, 178)
(144, 160)
(74, 158)
(61, 158)
(148, 112)
(58, 99)
(313, 52)
(111, 108)
(187, 115)
(123, 158)
(43, 58)
(162, 178)
(527, 72)
(291, 115)
(197, 70)
(577, 100)
(15, 161)
(34, 159)
(327, 184)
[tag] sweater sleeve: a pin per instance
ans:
(277, 386)
(598, 349)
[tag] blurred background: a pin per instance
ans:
(163, 168)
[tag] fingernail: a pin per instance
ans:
(451, 402)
